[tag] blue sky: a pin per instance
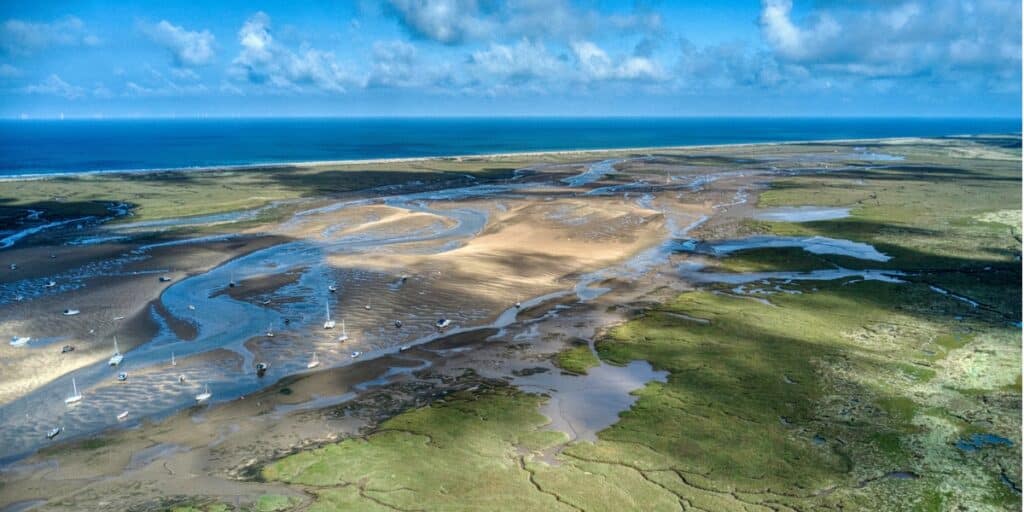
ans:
(93, 58)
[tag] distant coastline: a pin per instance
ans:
(39, 149)
(376, 161)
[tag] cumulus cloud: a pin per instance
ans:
(265, 62)
(596, 64)
(188, 48)
(444, 21)
(54, 85)
(517, 63)
(945, 39)
(20, 37)
(454, 22)
(394, 65)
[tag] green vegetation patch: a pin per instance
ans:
(577, 359)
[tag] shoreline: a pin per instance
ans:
(386, 160)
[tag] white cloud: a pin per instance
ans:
(188, 48)
(520, 62)
(54, 85)
(457, 21)
(394, 65)
(265, 62)
(444, 21)
(24, 38)
(947, 39)
(597, 65)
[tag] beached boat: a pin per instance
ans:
(75, 395)
(261, 369)
(328, 324)
(164, 279)
(71, 312)
(313, 363)
(344, 332)
(67, 348)
(355, 354)
(117, 357)
(123, 416)
(403, 348)
(53, 432)
(205, 395)
(20, 341)
(442, 324)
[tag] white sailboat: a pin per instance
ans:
(117, 357)
(313, 363)
(344, 332)
(205, 395)
(76, 396)
(329, 324)
(20, 341)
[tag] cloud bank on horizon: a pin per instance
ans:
(532, 57)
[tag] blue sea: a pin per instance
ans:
(47, 147)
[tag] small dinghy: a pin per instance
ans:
(117, 357)
(403, 348)
(122, 377)
(344, 332)
(51, 284)
(369, 305)
(261, 369)
(181, 378)
(332, 288)
(205, 395)
(67, 348)
(53, 432)
(164, 279)
(123, 416)
(75, 396)
(355, 354)
(191, 307)
(20, 341)
(442, 323)
(328, 324)
(398, 324)
(270, 331)
(71, 312)
(313, 363)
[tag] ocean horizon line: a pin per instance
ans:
(384, 160)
